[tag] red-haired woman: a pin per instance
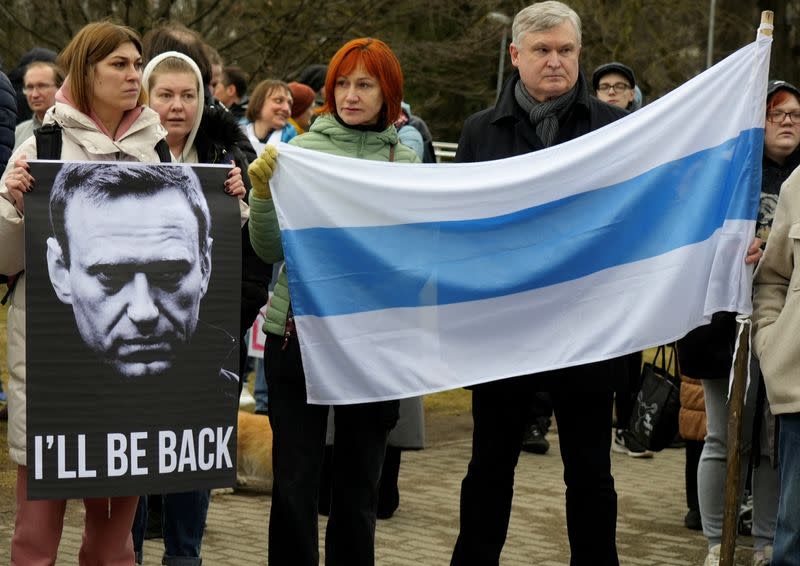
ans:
(363, 91)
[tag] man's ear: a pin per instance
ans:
(58, 271)
(205, 268)
(514, 52)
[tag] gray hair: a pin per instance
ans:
(543, 16)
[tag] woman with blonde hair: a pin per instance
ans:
(100, 110)
(363, 91)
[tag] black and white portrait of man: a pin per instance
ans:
(131, 260)
(129, 251)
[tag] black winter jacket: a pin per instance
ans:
(8, 119)
(505, 131)
(219, 139)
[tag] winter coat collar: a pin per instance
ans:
(64, 95)
(364, 140)
(141, 137)
(507, 106)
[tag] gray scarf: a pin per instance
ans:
(544, 115)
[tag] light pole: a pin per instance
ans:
(710, 46)
(501, 64)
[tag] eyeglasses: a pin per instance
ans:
(618, 87)
(778, 116)
(28, 89)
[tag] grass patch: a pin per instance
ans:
(453, 402)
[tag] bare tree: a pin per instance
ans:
(449, 49)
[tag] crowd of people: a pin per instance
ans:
(168, 96)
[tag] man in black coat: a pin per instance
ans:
(545, 102)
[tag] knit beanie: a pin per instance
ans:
(302, 98)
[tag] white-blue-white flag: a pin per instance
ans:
(411, 279)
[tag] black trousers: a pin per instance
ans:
(625, 398)
(694, 448)
(298, 429)
(499, 411)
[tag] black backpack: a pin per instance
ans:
(49, 140)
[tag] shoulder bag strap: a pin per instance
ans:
(162, 149)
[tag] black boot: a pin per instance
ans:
(388, 493)
(534, 440)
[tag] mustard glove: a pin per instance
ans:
(261, 171)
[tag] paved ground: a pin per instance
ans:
(422, 532)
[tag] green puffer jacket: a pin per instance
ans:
(328, 135)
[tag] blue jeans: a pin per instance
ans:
(183, 522)
(786, 547)
(260, 388)
(713, 467)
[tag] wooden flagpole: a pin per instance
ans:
(730, 518)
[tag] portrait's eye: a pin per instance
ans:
(112, 280)
(166, 279)
(168, 276)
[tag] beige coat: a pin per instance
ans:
(82, 140)
(776, 303)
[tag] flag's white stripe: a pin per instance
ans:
(398, 353)
(698, 115)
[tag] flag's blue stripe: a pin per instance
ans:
(335, 271)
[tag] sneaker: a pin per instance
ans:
(762, 556)
(246, 400)
(626, 443)
(534, 440)
(693, 521)
(745, 524)
(712, 559)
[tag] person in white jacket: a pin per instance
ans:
(101, 112)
